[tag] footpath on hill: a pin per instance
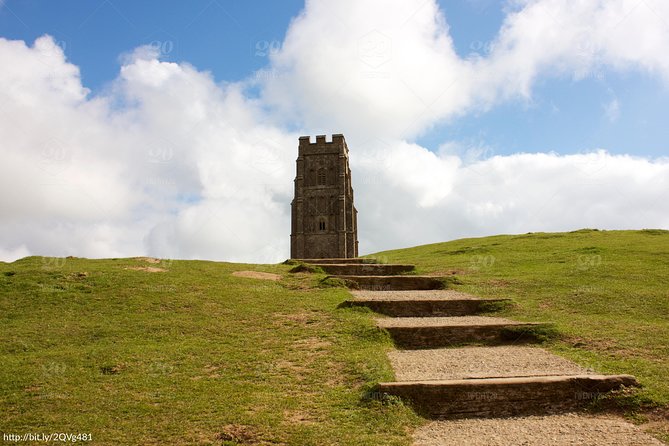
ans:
(482, 380)
(490, 362)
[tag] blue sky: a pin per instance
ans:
(170, 128)
(231, 39)
(220, 36)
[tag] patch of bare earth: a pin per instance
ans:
(148, 269)
(298, 417)
(498, 283)
(609, 346)
(239, 433)
(148, 259)
(298, 371)
(301, 319)
(257, 275)
(312, 344)
(209, 372)
(657, 422)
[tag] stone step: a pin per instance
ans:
(364, 269)
(428, 307)
(564, 429)
(503, 397)
(435, 332)
(389, 283)
(505, 361)
(353, 260)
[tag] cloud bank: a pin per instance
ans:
(166, 162)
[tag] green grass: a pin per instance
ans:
(194, 355)
(607, 292)
(191, 355)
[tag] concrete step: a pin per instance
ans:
(435, 332)
(354, 260)
(428, 307)
(389, 283)
(364, 269)
(503, 397)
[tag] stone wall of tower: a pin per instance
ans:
(323, 217)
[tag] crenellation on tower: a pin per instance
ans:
(324, 219)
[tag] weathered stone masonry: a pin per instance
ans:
(324, 220)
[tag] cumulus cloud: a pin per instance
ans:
(509, 194)
(389, 68)
(577, 38)
(167, 162)
(382, 69)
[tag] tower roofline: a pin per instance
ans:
(321, 139)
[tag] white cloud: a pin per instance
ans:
(577, 38)
(389, 69)
(514, 194)
(166, 162)
(612, 110)
(382, 69)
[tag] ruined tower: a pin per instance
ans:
(324, 220)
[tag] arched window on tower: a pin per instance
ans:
(321, 225)
(321, 177)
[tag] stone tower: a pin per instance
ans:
(324, 220)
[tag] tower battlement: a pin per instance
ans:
(337, 142)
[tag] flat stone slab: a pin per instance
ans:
(504, 397)
(568, 429)
(479, 362)
(435, 332)
(364, 269)
(412, 295)
(391, 283)
(354, 260)
(460, 321)
(428, 307)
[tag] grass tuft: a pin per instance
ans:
(306, 268)
(536, 333)
(335, 282)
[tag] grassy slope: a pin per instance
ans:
(194, 355)
(606, 291)
(188, 356)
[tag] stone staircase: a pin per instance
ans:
(433, 332)
(453, 362)
(364, 269)
(366, 274)
(418, 303)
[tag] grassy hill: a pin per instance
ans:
(184, 352)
